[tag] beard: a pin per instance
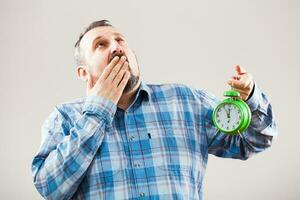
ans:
(132, 82)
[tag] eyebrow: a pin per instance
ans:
(99, 37)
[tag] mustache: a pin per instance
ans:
(120, 55)
(117, 54)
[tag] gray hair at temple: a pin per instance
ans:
(78, 53)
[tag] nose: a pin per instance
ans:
(117, 51)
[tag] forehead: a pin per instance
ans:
(88, 38)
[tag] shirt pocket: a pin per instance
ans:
(109, 162)
(171, 150)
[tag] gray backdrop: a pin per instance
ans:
(192, 42)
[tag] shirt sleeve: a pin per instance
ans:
(256, 138)
(66, 152)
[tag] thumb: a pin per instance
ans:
(240, 70)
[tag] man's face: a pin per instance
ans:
(100, 45)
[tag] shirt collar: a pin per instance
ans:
(144, 91)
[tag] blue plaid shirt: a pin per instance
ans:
(157, 149)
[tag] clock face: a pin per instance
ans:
(228, 117)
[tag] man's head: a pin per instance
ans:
(97, 46)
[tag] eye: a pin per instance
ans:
(100, 44)
(119, 39)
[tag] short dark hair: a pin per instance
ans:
(79, 59)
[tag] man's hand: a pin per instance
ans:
(242, 82)
(112, 81)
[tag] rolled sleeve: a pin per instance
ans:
(253, 101)
(101, 106)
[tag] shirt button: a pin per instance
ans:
(137, 165)
(142, 194)
(131, 138)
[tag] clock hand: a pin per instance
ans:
(228, 115)
(225, 111)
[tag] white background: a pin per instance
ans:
(192, 42)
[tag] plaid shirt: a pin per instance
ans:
(157, 149)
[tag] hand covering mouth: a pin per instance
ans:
(117, 54)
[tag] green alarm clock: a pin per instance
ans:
(232, 116)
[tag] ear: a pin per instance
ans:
(82, 73)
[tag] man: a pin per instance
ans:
(131, 140)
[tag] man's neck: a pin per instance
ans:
(127, 98)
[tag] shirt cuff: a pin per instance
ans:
(254, 100)
(100, 106)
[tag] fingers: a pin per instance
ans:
(241, 80)
(120, 74)
(244, 82)
(236, 77)
(109, 68)
(237, 84)
(240, 70)
(114, 72)
(124, 81)
(112, 81)
(243, 93)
